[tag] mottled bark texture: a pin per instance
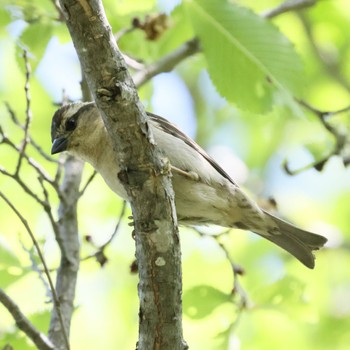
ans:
(145, 175)
(68, 240)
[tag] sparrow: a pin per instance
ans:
(204, 192)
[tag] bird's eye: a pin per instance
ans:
(71, 124)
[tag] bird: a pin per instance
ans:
(204, 193)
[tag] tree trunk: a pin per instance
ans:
(144, 173)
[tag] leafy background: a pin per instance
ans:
(236, 99)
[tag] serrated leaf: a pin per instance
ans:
(200, 301)
(249, 60)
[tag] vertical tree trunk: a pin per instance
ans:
(144, 174)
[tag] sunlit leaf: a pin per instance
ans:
(10, 268)
(285, 290)
(200, 301)
(249, 60)
(179, 31)
(10, 275)
(318, 150)
(7, 258)
(41, 320)
(125, 7)
(17, 340)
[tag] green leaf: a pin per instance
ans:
(129, 7)
(7, 258)
(61, 32)
(34, 39)
(179, 31)
(17, 340)
(10, 267)
(41, 320)
(5, 19)
(286, 290)
(249, 60)
(200, 301)
(10, 275)
(318, 150)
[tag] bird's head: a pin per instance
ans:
(72, 127)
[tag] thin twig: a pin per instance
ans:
(30, 140)
(22, 322)
(42, 152)
(88, 182)
(41, 256)
(121, 215)
(167, 63)
(28, 113)
(99, 254)
(47, 206)
(13, 116)
(331, 65)
(237, 270)
(39, 169)
(341, 140)
(24, 186)
(191, 47)
(287, 6)
(122, 32)
(323, 115)
(133, 63)
(37, 269)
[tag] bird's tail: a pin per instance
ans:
(297, 242)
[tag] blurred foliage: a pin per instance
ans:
(288, 305)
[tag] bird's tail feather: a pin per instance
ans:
(297, 242)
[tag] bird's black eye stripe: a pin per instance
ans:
(71, 123)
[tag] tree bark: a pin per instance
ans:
(68, 241)
(144, 173)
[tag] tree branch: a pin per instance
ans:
(331, 65)
(167, 63)
(66, 232)
(289, 5)
(39, 339)
(237, 271)
(57, 307)
(31, 141)
(341, 140)
(144, 174)
(100, 255)
(68, 241)
(191, 47)
(28, 113)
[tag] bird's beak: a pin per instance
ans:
(59, 145)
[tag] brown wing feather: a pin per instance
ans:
(171, 129)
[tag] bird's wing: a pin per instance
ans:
(171, 129)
